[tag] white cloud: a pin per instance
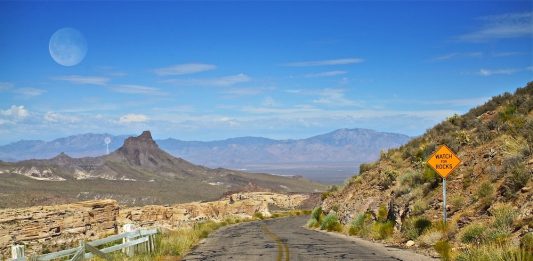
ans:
(325, 74)
(130, 118)
(57, 117)
(4, 86)
(10, 87)
(489, 72)
(188, 68)
(510, 25)
(325, 62)
(293, 91)
(507, 54)
(335, 97)
(136, 89)
(79, 79)
(29, 91)
(269, 102)
(220, 81)
(458, 55)
(15, 112)
(246, 91)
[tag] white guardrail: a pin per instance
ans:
(140, 241)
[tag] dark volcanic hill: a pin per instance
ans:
(139, 172)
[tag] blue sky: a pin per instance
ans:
(212, 70)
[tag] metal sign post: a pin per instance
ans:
(444, 198)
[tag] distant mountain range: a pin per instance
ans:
(330, 157)
(138, 172)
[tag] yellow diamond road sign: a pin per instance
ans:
(443, 161)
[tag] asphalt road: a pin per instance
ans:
(286, 239)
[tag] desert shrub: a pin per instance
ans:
(497, 236)
(431, 237)
(444, 248)
(382, 213)
(259, 215)
(316, 213)
(316, 217)
(462, 137)
(517, 178)
(504, 216)
(382, 230)
(419, 207)
(485, 193)
(431, 176)
(526, 242)
(360, 225)
(412, 179)
(473, 234)
(507, 113)
(386, 178)
(331, 223)
(364, 167)
(415, 226)
(313, 223)
(457, 201)
(495, 252)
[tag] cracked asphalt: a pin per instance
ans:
(286, 239)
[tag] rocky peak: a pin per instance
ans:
(62, 159)
(144, 140)
(141, 150)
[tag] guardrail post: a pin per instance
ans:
(129, 251)
(17, 251)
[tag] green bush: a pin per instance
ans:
(412, 179)
(485, 193)
(386, 179)
(382, 230)
(316, 216)
(444, 249)
(313, 223)
(473, 234)
(526, 242)
(364, 167)
(517, 178)
(431, 176)
(382, 213)
(457, 202)
(504, 216)
(361, 225)
(495, 252)
(419, 207)
(415, 226)
(259, 215)
(331, 223)
(316, 213)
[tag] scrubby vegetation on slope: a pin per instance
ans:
(489, 198)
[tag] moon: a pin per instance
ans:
(67, 46)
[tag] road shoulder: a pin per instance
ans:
(402, 254)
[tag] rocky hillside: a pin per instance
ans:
(137, 173)
(490, 195)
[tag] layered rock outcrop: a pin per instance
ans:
(240, 205)
(57, 227)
